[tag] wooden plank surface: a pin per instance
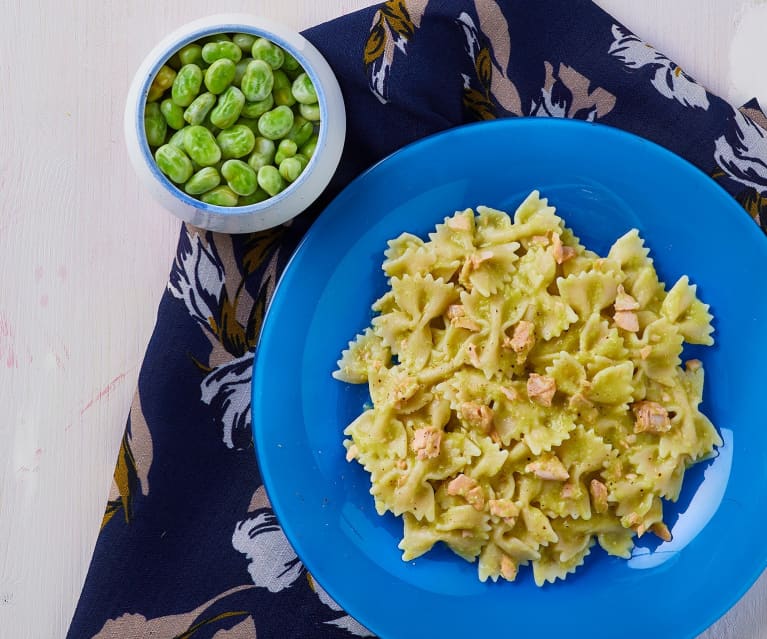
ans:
(85, 252)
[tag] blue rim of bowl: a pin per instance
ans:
(146, 153)
(288, 526)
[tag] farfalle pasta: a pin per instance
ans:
(528, 396)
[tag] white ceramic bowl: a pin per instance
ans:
(284, 205)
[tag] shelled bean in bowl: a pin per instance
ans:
(235, 123)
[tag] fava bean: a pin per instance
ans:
(263, 153)
(276, 124)
(259, 195)
(290, 169)
(251, 123)
(204, 180)
(217, 37)
(219, 75)
(174, 163)
(256, 109)
(270, 180)
(236, 141)
(173, 114)
(197, 111)
(210, 126)
(228, 109)
(240, 68)
(244, 41)
(310, 111)
(174, 62)
(301, 130)
(220, 196)
(269, 52)
(283, 95)
(290, 64)
(187, 85)
(155, 126)
(240, 177)
(302, 159)
(217, 50)
(190, 54)
(307, 150)
(258, 81)
(162, 81)
(201, 146)
(177, 139)
(285, 149)
(303, 90)
(265, 147)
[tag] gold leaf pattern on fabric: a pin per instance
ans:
(170, 626)
(394, 24)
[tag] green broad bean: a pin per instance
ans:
(283, 95)
(270, 180)
(290, 169)
(265, 147)
(219, 75)
(310, 111)
(256, 109)
(285, 149)
(174, 62)
(257, 82)
(155, 126)
(217, 37)
(257, 160)
(228, 108)
(263, 153)
(201, 146)
(290, 64)
(174, 163)
(210, 126)
(190, 54)
(197, 111)
(213, 51)
(244, 41)
(187, 85)
(177, 139)
(240, 68)
(301, 130)
(307, 150)
(220, 196)
(259, 195)
(303, 90)
(162, 81)
(302, 159)
(236, 141)
(173, 114)
(269, 52)
(240, 177)
(276, 124)
(251, 123)
(204, 180)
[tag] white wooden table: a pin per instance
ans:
(85, 252)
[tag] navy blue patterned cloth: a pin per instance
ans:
(189, 546)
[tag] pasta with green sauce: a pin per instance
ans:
(528, 396)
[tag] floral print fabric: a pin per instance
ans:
(189, 546)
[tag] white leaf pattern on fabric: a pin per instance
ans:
(669, 79)
(741, 152)
(273, 562)
(346, 622)
(227, 390)
(275, 566)
(197, 278)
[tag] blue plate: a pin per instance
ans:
(603, 182)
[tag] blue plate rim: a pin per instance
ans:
(728, 201)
